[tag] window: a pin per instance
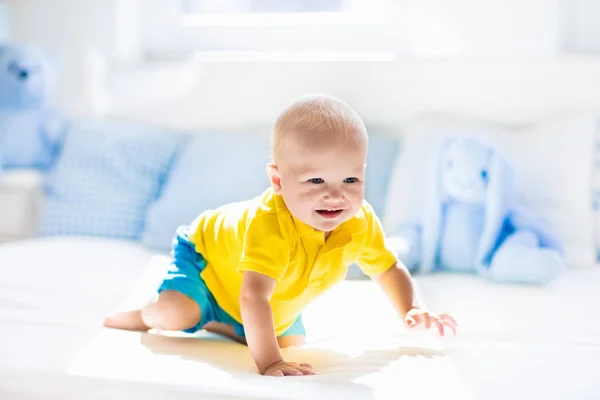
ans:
(282, 13)
(354, 30)
(264, 6)
(268, 29)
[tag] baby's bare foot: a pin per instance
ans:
(128, 320)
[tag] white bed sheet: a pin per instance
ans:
(523, 342)
(518, 342)
(54, 294)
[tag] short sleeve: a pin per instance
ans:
(375, 257)
(193, 233)
(265, 248)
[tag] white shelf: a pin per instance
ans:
(20, 201)
(20, 179)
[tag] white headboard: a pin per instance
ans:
(226, 96)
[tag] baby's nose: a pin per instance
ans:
(23, 74)
(335, 195)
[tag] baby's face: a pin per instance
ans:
(322, 185)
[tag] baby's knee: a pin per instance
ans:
(173, 311)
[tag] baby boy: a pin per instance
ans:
(246, 270)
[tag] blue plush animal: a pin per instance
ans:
(30, 131)
(471, 223)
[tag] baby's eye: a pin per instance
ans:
(351, 180)
(316, 181)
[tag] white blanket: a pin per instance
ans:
(523, 342)
(515, 342)
(54, 294)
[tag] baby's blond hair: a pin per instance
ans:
(318, 116)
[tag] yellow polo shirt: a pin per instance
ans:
(261, 235)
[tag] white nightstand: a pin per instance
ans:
(21, 198)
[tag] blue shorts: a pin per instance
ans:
(184, 277)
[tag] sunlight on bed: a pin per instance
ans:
(127, 356)
(358, 354)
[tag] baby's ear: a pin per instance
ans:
(274, 178)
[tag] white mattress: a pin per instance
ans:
(54, 294)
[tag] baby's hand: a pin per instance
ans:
(283, 368)
(417, 316)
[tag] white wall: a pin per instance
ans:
(583, 34)
(228, 95)
(511, 91)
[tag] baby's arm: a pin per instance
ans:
(381, 264)
(257, 316)
(396, 283)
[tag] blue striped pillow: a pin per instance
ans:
(106, 177)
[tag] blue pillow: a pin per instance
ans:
(380, 163)
(219, 168)
(106, 177)
(213, 170)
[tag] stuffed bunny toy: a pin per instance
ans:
(30, 130)
(470, 222)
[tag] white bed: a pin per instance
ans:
(523, 342)
(517, 341)
(52, 344)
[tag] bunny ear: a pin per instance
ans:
(433, 206)
(499, 197)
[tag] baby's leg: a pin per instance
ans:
(229, 332)
(294, 336)
(290, 340)
(224, 330)
(180, 295)
(172, 311)
(127, 320)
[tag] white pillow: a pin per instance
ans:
(553, 160)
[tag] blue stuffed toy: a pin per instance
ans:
(30, 130)
(471, 223)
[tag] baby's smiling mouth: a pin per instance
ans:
(329, 213)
